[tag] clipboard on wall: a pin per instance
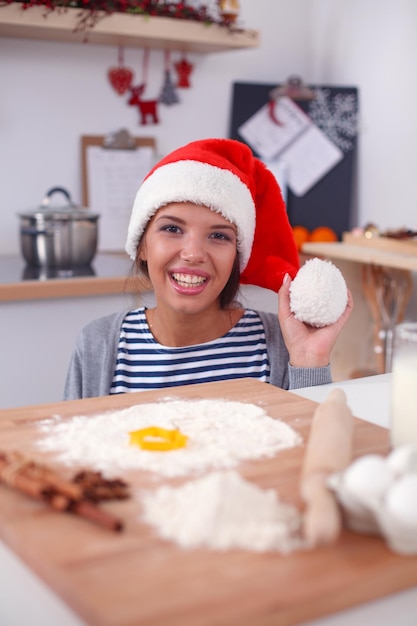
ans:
(113, 168)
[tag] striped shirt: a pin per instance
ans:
(143, 363)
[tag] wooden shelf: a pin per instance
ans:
(110, 275)
(361, 254)
(122, 29)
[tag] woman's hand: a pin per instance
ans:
(308, 346)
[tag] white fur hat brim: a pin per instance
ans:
(199, 183)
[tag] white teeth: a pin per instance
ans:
(186, 280)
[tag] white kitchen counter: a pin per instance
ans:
(25, 599)
(368, 398)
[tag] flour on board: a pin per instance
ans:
(222, 511)
(220, 434)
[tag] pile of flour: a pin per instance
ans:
(222, 511)
(220, 434)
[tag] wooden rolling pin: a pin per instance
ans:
(329, 450)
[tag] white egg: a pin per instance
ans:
(401, 500)
(403, 459)
(318, 293)
(367, 478)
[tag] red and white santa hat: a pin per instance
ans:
(223, 174)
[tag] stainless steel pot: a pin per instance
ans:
(59, 237)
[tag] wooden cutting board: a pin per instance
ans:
(134, 578)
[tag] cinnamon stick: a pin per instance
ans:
(65, 487)
(41, 483)
(11, 473)
(87, 509)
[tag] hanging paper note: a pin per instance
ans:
(309, 158)
(288, 134)
(269, 132)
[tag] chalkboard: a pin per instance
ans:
(335, 111)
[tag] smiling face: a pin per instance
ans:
(190, 252)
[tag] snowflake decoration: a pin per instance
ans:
(337, 117)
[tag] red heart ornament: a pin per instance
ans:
(120, 79)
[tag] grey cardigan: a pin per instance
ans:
(93, 361)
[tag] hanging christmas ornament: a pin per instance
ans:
(183, 69)
(147, 108)
(168, 94)
(120, 77)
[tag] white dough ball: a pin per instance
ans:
(318, 293)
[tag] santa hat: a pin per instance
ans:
(223, 174)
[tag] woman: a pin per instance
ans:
(207, 217)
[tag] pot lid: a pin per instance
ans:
(67, 211)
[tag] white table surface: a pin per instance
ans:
(25, 599)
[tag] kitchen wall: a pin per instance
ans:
(373, 44)
(52, 93)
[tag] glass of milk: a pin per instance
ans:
(404, 385)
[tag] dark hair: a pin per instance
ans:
(230, 291)
(227, 296)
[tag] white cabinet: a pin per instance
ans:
(37, 338)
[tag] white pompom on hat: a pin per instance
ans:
(318, 294)
(223, 174)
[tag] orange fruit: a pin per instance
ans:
(301, 235)
(323, 233)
